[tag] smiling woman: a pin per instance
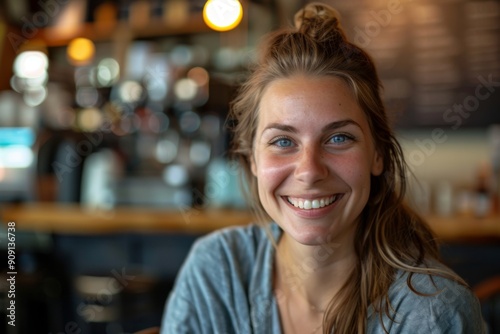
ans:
(336, 248)
(313, 144)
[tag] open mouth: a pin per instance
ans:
(309, 204)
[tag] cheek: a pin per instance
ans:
(271, 171)
(355, 170)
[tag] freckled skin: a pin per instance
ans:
(295, 155)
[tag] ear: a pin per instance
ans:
(377, 164)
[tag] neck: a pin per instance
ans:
(313, 273)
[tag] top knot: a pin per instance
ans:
(317, 20)
(315, 12)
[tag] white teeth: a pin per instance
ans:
(307, 204)
(315, 204)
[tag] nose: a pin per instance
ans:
(311, 165)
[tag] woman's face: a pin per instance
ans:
(313, 157)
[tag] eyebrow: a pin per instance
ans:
(329, 127)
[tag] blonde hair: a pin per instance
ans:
(390, 236)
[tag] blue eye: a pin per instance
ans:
(282, 142)
(339, 139)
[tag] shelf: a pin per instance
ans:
(53, 37)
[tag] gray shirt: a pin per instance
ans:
(224, 287)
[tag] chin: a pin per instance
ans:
(310, 235)
(318, 232)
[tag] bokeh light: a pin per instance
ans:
(87, 97)
(181, 55)
(108, 72)
(83, 76)
(166, 151)
(185, 89)
(175, 175)
(31, 64)
(199, 75)
(222, 15)
(35, 96)
(80, 51)
(199, 153)
(158, 122)
(189, 122)
(90, 119)
(16, 156)
(131, 91)
(31, 77)
(227, 58)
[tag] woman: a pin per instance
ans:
(343, 253)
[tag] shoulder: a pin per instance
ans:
(241, 242)
(433, 304)
(429, 290)
(211, 292)
(227, 256)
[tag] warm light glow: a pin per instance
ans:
(69, 21)
(185, 89)
(130, 91)
(199, 75)
(222, 15)
(90, 119)
(80, 51)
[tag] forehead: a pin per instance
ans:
(309, 98)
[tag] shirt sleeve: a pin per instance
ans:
(210, 292)
(180, 315)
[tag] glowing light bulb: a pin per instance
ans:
(80, 51)
(222, 15)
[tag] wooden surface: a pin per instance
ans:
(58, 218)
(458, 228)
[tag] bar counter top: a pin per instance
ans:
(74, 219)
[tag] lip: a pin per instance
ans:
(313, 213)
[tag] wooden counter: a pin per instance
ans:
(466, 228)
(73, 219)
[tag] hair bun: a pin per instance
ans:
(316, 18)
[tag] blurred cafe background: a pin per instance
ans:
(113, 142)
